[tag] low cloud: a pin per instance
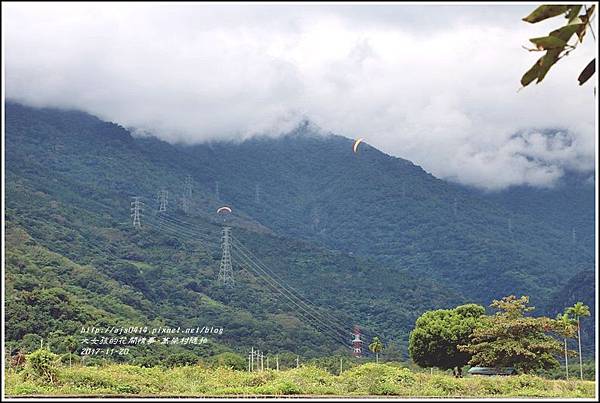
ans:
(435, 85)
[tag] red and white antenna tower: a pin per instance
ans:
(356, 342)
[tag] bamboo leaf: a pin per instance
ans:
(548, 42)
(546, 62)
(565, 33)
(531, 74)
(587, 72)
(543, 12)
(573, 12)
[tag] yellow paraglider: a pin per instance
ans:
(356, 143)
(223, 209)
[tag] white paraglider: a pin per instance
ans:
(356, 143)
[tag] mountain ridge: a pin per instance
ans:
(312, 189)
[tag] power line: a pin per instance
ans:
(320, 326)
(179, 231)
(282, 291)
(171, 223)
(194, 235)
(205, 237)
(295, 292)
(322, 316)
(294, 299)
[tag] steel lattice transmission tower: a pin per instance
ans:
(226, 269)
(136, 211)
(356, 342)
(188, 186)
(163, 200)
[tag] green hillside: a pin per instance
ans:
(376, 205)
(69, 182)
(351, 239)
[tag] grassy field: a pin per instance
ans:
(364, 380)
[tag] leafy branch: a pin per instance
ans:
(556, 43)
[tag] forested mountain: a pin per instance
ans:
(372, 204)
(579, 288)
(364, 238)
(74, 258)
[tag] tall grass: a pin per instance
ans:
(363, 380)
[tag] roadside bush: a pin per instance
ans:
(377, 379)
(446, 385)
(43, 365)
(287, 387)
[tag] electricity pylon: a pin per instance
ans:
(136, 211)
(163, 199)
(225, 268)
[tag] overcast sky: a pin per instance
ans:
(433, 84)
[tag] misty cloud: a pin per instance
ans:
(434, 84)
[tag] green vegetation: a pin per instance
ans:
(565, 328)
(577, 311)
(73, 260)
(556, 43)
(580, 288)
(376, 347)
(453, 338)
(367, 379)
(510, 339)
(42, 364)
(434, 341)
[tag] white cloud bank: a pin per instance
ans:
(433, 84)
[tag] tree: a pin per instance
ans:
(393, 352)
(565, 327)
(578, 310)
(437, 334)
(556, 43)
(229, 360)
(181, 359)
(376, 346)
(510, 339)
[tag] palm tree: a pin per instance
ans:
(71, 344)
(578, 310)
(565, 328)
(376, 346)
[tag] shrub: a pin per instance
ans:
(287, 387)
(447, 385)
(43, 365)
(229, 360)
(181, 359)
(378, 379)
